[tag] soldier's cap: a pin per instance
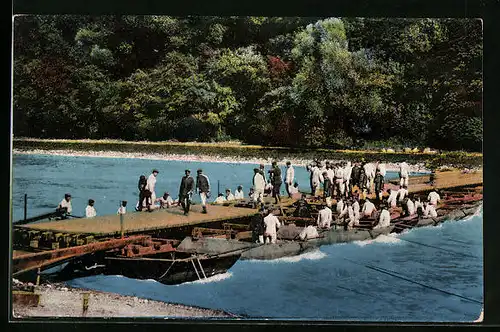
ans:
(67, 195)
(240, 187)
(199, 170)
(124, 203)
(91, 201)
(227, 189)
(155, 171)
(166, 193)
(221, 194)
(187, 170)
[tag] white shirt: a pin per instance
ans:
(402, 194)
(385, 219)
(331, 174)
(259, 182)
(290, 175)
(90, 211)
(272, 223)
(163, 201)
(317, 176)
(238, 194)
(65, 204)
(433, 197)
(382, 169)
(310, 232)
(340, 206)
(368, 208)
(403, 169)
(294, 190)
(230, 197)
(151, 182)
(325, 217)
(418, 204)
(430, 210)
(369, 170)
(339, 173)
(220, 199)
(411, 207)
(356, 208)
(392, 198)
(122, 210)
(347, 171)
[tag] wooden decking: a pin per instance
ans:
(142, 221)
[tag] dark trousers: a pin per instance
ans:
(185, 202)
(141, 199)
(313, 188)
(287, 187)
(276, 191)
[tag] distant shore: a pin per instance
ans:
(186, 158)
(235, 152)
(59, 300)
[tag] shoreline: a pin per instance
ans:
(62, 301)
(419, 167)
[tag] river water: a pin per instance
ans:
(438, 284)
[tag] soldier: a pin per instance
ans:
(290, 174)
(276, 181)
(203, 186)
(186, 190)
(379, 185)
(151, 183)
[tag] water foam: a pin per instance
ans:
(311, 255)
(214, 278)
(389, 239)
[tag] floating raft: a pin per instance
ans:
(135, 222)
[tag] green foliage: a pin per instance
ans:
(263, 80)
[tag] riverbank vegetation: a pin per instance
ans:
(293, 82)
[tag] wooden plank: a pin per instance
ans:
(143, 221)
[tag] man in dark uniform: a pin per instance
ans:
(379, 184)
(327, 186)
(257, 227)
(203, 186)
(141, 186)
(302, 208)
(362, 182)
(185, 191)
(276, 181)
(355, 176)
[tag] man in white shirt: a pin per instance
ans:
(381, 168)
(271, 224)
(411, 207)
(220, 199)
(229, 195)
(151, 183)
(259, 183)
(339, 179)
(370, 175)
(324, 217)
(309, 232)
(403, 174)
(317, 179)
(430, 210)
(347, 177)
(402, 193)
(433, 198)
(90, 209)
(238, 194)
(356, 209)
(123, 208)
(352, 217)
(392, 200)
(289, 177)
(165, 201)
(294, 189)
(66, 203)
(385, 218)
(368, 209)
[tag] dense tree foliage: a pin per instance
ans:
(319, 82)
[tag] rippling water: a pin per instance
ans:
(332, 283)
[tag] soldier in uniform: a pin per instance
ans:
(185, 191)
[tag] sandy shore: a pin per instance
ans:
(58, 300)
(187, 158)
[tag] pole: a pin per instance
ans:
(25, 205)
(218, 188)
(121, 224)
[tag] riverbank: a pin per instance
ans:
(59, 300)
(235, 152)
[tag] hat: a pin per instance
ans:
(91, 201)
(155, 171)
(221, 194)
(165, 193)
(288, 163)
(240, 187)
(67, 195)
(200, 170)
(187, 170)
(227, 189)
(255, 169)
(124, 203)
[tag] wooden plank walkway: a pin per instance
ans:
(142, 221)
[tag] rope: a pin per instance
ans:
(201, 268)
(164, 274)
(439, 248)
(393, 274)
(195, 270)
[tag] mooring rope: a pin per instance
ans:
(397, 275)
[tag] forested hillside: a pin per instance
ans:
(318, 82)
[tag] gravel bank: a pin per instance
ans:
(187, 158)
(61, 301)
